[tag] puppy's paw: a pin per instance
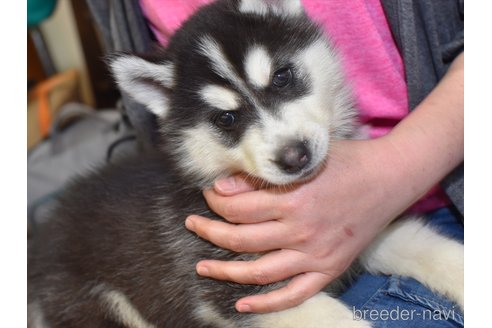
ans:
(319, 311)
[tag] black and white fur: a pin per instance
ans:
(244, 86)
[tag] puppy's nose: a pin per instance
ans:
(293, 157)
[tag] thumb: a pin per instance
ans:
(233, 185)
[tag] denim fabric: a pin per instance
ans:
(401, 302)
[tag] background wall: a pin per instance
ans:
(76, 49)
(63, 41)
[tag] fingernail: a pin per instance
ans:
(190, 225)
(243, 308)
(202, 270)
(226, 185)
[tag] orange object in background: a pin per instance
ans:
(44, 101)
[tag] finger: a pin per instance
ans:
(299, 289)
(259, 237)
(248, 207)
(272, 267)
(233, 185)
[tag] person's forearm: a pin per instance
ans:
(429, 141)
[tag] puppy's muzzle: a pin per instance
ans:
(293, 157)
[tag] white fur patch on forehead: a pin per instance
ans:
(277, 7)
(220, 97)
(257, 7)
(211, 49)
(221, 66)
(258, 66)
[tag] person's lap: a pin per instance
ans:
(401, 302)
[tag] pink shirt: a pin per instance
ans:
(371, 61)
(165, 16)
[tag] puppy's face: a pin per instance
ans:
(249, 86)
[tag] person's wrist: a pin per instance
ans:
(405, 170)
(376, 172)
(390, 171)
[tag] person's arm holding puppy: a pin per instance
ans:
(315, 231)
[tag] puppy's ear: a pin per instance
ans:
(277, 7)
(149, 82)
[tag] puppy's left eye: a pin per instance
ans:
(226, 120)
(282, 77)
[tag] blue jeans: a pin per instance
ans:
(401, 302)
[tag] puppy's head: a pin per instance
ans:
(246, 85)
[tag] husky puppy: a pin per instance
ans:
(244, 86)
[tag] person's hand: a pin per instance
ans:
(313, 232)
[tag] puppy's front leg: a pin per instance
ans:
(320, 311)
(411, 248)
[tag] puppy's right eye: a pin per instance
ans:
(282, 77)
(226, 120)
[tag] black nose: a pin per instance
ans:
(294, 157)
